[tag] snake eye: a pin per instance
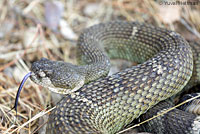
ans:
(48, 72)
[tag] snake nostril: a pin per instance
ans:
(34, 67)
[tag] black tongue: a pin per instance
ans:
(18, 92)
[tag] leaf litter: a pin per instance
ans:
(30, 30)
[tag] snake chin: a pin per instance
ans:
(40, 79)
(66, 91)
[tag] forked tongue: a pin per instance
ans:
(18, 92)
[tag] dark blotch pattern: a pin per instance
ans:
(110, 103)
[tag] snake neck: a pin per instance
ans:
(94, 71)
(94, 62)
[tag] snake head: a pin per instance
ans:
(58, 76)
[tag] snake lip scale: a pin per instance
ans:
(98, 103)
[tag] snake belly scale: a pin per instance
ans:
(108, 104)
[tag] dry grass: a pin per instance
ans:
(25, 36)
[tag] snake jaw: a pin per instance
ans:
(41, 79)
(67, 91)
(46, 82)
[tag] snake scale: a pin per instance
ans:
(97, 103)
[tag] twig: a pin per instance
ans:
(189, 28)
(29, 46)
(36, 21)
(40, 114)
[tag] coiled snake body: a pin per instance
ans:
(108, 104)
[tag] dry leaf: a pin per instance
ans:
(28, 37)
(91, 9)
(53, 14)
(169, 13)
(66, 30)
(6, 27)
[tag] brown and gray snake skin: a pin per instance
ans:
(101, 104)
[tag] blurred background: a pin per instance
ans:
(32, 29)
